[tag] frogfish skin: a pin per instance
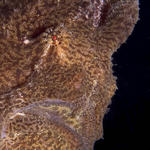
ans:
(56, 76)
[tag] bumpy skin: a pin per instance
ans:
(55, 70)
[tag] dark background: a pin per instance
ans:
(126, 125)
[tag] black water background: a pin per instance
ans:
(126, 126)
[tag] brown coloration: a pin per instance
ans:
(55, 70)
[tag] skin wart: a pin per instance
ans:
(55, 70)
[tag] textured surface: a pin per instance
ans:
(55, 70)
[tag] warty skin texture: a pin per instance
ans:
(55, 70)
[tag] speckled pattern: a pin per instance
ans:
(55, 70)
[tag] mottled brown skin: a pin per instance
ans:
(55, 70)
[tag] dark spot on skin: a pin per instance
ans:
(105, 10)
(38, 32)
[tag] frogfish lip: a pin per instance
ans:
(42, 120)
